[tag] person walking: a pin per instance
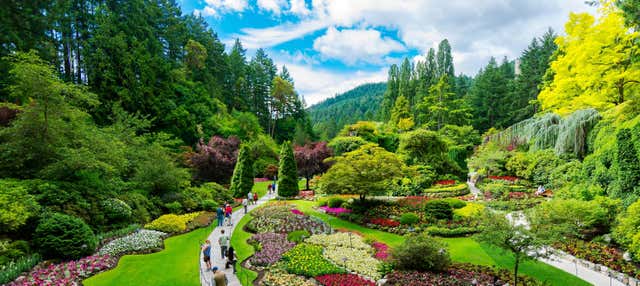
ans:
(227, 213)
(231, 259)
(255, 198)
(269, 188)
(250, 196)
(218, 278)
(245, 202)
(206, 253)
(223, 241)
(220, 215)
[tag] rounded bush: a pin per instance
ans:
(335, 202)
(421, 253)
(409, 219)
(455, 203)
(116, 210)
(209, 205)
(168, 223)
(62, 236)
(174, 207)
(438, 209)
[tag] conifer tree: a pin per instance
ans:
(628, 164)
(242, 180)
(287, 172)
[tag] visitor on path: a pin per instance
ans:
(206, 253)
(227, 214)
(245, 202)
(231, 259)
(255, 198)
(220, 216)
(250, 196)
(223, 241)
(540, 190)
(269, 188)
(218, 278)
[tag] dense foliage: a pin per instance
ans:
(287, 172)
(421, 253)
(60, 235)
(242, 179)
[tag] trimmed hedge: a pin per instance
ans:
(453, 191)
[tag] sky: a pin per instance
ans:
(332, 46)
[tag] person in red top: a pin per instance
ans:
(255, 198)
(227, 212)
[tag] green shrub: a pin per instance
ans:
(335, 202)
(498, 191)
(14, 269)
(438, 209)
(455, 203)
(626, 232)
(409, 219)
(421, 253)
(298, 236)
(16, 205)
(322, 202)
(142, 209)
(62, 236)
(443, 192)
(116, 210)
(209, 205)
(174, 207)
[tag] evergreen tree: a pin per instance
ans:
(405, 84)
(444, 61)
(441, 107)
(489, 95)
(628, 166)
(401, 112)
(242, 179)
(237, 79)
(389, 98)
(287, 172)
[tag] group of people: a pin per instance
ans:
(271, 188)
(223, 214)
(252, 198)
(218, 277)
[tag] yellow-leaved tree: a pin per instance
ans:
(597, 64)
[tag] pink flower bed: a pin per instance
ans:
(343, 280)
(335, 211)
(296, 211)
(382, 250)
(66, 273)
(446, 182)
(504, 178)
(384, 222)
(258, 180)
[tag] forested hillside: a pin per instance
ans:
(360, 103)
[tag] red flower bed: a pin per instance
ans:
(600, 254)
(382, 250)
(343, 280)
(446, 182)
(413, 201)
(518, 195)
(504, 178)
(459, 274)
(308, 194)
(258, 180)
(295, 211)
(384, 222)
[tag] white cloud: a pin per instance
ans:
(217, 7)
(299, 7)
(354, 46)
(318, 84)
(274, 6)
(268, 37)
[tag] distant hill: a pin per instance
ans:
(360, 103)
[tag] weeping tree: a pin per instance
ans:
(242, 179)
(565, 135)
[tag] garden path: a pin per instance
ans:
(474, 190)
(216, 260)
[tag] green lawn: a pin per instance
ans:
(463, 249)
(243, 250)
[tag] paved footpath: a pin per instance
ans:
(216, 260)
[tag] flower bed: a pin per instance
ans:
(445, 192)
(600, 254)
(459, 274)
(382, 250)
(273, 245)
(297, 212)
(355, 259)
(339, 239)
(138, 241)
(384, 222)
(67, 273)
(343, 280)
(306, 195)
(281, 219)
(334, 211)
(413, 202)
(504, 178)
(446, 182)
(281, 278)
(260, 180)
(307, 260)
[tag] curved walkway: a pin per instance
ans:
(563, 261)
(216, 260)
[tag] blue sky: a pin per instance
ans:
(331, 46)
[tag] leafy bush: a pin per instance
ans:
(443, 192)
(116, 210)
(455, 203)
(16, 205)
(13, 269)
(421, 253)
(626, 233)
(142, 209)
(62, 236)
(306, 259)
(409, 219)
(12, 250)
(172, 223)
(451, 232)
(298, 236)
(174, 207)
(438, 209)
(335, 202)
(209, 205)
(470, 210)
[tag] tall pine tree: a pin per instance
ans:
(242, 179)
(287, 172)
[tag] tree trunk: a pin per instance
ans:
(515, 270)
(307, 182)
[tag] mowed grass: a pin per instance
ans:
(243, 251)
(462, 249)
(177, 264)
